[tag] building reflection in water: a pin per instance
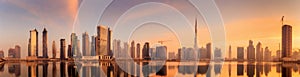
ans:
(217, 68)
(14, 68)
(2, 67)
(286, 70)
(240, 69)
(250, 69)
(143, 69)
(259, 69)
(63, 69)
(267, 69)
(202, 69)
(54, 69)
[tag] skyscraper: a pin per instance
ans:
(17, 51)
(259, 52)
(54, 50)
(132, 50)
(203, 53)
(195, 39)
(33, 43)
(11, 53)
(267, 54)
(45, 44)
(86, 44)
(93, 46)
(62, 49)
(240, 53)
(146, 51)
(161, 52)
(208, 49)
(217, 53)
(286, 41)
(69, 51)
(102, 41)
(74, 45)
(1, 54)
(230, 52)
(138, 50)
(251, 51)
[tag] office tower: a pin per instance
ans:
(69, 51)
(29, 48)
(267, 54)
(78, 53)
(138, 50)
(62, 49)
(286, 41)
(132, 50)
(195, 39)
(179, 52)
(45, 44)
(103, 41)
(17, 51)
(251, 51)
(161, 52)
(93, 46)
(146, 51)
(110, 53)
(33, 43)
(208, 49)
(203, 53)
(74, 46)
(124, 53)
(1, 54)
(53, 50)
(171, 56)
(259, 52)
(117, 48)
(229, 57)
(11, 53)
(217, 53)
(240, 53)
(86, 44)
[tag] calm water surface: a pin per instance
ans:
(167, 69)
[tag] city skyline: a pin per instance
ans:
(269, 38)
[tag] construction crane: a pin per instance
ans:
(162, 41)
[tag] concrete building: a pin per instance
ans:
(103, 41)
(250, 51)
(132, 50)
(267, 54)
(54, 50)
(33, 43)
(203, 53)
(259, 52)
(286, 41)
(1, 54)
(161, 52)
(45, 44)
(86, 44)
(17, 51)
(217, 53)
(93, 46)
(74, 46)
(62, 49)
(208, 49)
(240, 53)
(138, 50)
(146, 51)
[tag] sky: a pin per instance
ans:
(244, 20)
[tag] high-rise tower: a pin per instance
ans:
(45, 44)
(286, 41)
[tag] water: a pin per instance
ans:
(168, 69)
